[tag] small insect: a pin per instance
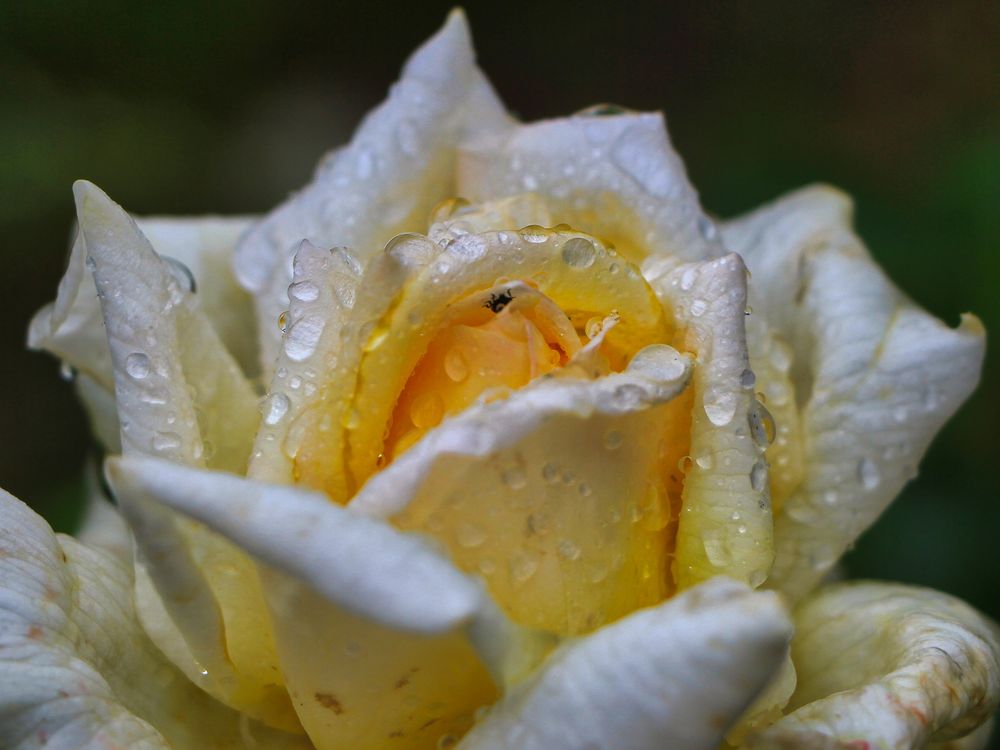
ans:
(498, 302)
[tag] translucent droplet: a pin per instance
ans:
(596, 571)
(181, 273)
(688, 279)
(568, 550)
(455, 366)
(514, 478)
(705, 462)
(301, 338)
(303, 291)
(66, 371)
(658, 362)
(411, 249)
(468, 247)
(469, 535)
(758, 476)
(761, 424)
(748, 379)
(550, 473)
(613, 440)
(593, 327)
(378, 336)
(166, 441)
(522, 566)
(137, 365)
(427, 410)
(283, 320)
(720, 407)
(757, 578)
(350, 419)
(487, 566)
(707, 228)
(716, 549)
(275, 407)
(579, 252)
(698, 308)
(868, 474)
(584, 489)
(534, 234)
(627, 396)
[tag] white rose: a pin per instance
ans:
(499, 470)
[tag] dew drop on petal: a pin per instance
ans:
(514, 478)
(470, 535)
(303, 291)
(868, 474)
(275, 407)
(579, 252)
(166, 441)
(455, 366)
(613, 440)
(758, 476)
(137, 365)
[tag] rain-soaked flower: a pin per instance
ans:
(537, 467)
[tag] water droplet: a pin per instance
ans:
(522, 566)
(698, 308)
(455, 366)
(596, 571)
(350, 419)
(427, 410)
(716, 549)
(761, 424)
(534, 234)
(181, 273)
(302, 337)
(550, 473)
(720, 406)
(757, 578)
(684, 464)
(137, 365)
(90, 263)
(602, 110)
(613, 440)
(303, 291)
(275, 407)
(748, 379)
(469, 535)
(469, 247)
(411, 249)
(688, 279)
(658, 362)
(579, 252)
(830, 497)
(584, 489)
(514, 478)
(868, 474)
(593, 327)
(487, 566)
(705, 462)
(758, 475)
(707, 228)
(166, 441)
(66, 371)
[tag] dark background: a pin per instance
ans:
(225, 107)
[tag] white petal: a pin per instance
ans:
(568, 533)
(725, 523)
(370, 621)
(76, 670)
(887, 666)
(675, 675)
(616, 177)
(399, 163)
(875, 376)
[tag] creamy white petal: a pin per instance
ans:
(370, 621)
(614, 176)
(76, 669)
(399, 163)
(180, 395)
(887, 666)
(568, 534)
(205, 245)
(875, 376)
(675, 675)
(725, 523)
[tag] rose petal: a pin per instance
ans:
(76, 668)
(163, 349)
(875, 376)
(568, 534)
(725, 525)
(888, 666)
(397, 166)
(675, 675)
(616, 177)
(370, 621)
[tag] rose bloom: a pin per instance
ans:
(561, 463)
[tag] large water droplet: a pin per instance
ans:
(137, 365)
(720, 406)
(748, 379)
(303, 291)
(716, 549)
(579, 252)
(868, 474)
(411, 249)
(658, 362)
(455, 366)
(761, 424)
(301, 339)
(758, 476)
(275, 407)
(534, 234)
(427, 410)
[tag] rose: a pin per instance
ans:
(516, 395)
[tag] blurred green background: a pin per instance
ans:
(225, 107)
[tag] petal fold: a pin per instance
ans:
(675, 675)
(887, 666)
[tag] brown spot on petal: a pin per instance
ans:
(35, 633)
(328, 700)
(402, 682)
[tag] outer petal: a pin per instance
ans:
(675, 675)
(887, 666)
(76, 669)
(616, 177)
(725, 524)
(875, 376)
(179, 391)
(399, 163)
(569, 533)
(370, 622)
